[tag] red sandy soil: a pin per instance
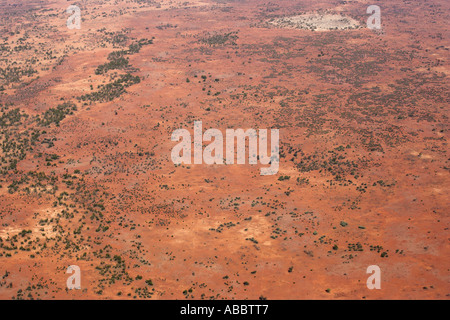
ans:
(364, 172)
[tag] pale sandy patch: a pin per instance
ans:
(317, 22)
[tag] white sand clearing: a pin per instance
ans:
(317, 22)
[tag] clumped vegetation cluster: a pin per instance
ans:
(117, 59)
(15, 74)
(56, 115)
(218, 39)
(112, 90)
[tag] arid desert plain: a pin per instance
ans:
(87, 178)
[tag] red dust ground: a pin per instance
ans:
(86, 175)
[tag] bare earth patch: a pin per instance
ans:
(315, 21)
